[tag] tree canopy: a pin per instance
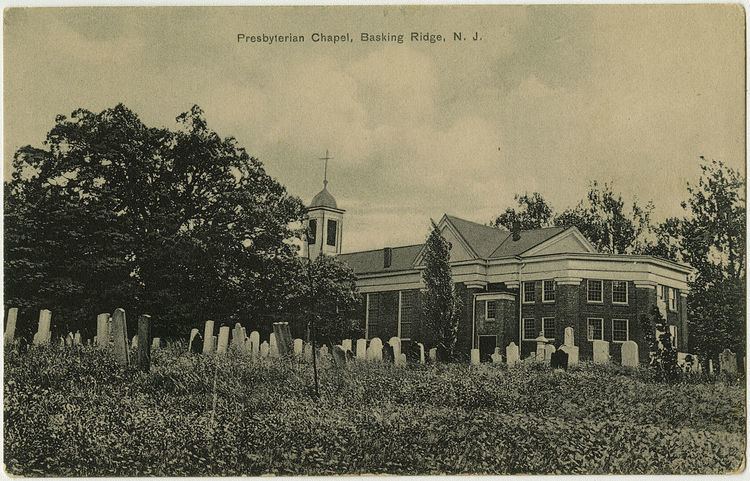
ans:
(182, 224)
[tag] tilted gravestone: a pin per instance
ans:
(395, 343)
(119, 335)
(196, 344)
(572, 352)
(339, 356)
(223, 343)
(728, 362)
(601, 352)
(629, 354)
(283, 338)
(69, 339)
(193, 333)
(559, 359)
(420, 348)
(10, 327)
(511, 354)
(208, 337)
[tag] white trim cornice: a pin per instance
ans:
(568, 281)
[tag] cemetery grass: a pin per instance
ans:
(75, 413)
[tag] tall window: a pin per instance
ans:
(491, 312)
(528, 292)
(373, 314)
(407, 313)
(620, 330)
(548, 291)
(594, 291)
(548, 327)
(672, 299)
(619, 292)
(673, 332)
(595, 329)
(331, 233)
(529, 330)
(312, 231)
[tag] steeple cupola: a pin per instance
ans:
(324, 221)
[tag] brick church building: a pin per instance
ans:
(514, 285)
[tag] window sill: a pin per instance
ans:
(548, 302)
(594, 302)
(620, 303)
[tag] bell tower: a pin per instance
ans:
(324, 221)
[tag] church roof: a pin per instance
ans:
(487, 243)
(324, 199)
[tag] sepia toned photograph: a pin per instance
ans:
(358, 240)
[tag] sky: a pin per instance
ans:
(548, 99)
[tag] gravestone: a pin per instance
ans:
(346, 344)
(298, 347)
(629, 354)
(133, 342)
(223, 342)
(388, 354)
(549, 349)
(88, 342)
(361, 349)
(601, 352)
(323, 354)
(69, 339)
(728, 362)
(119, 335)
(572, 352)
(541, 341)
(156, 343)
(264, 350)
(237, 340)
(339, 356)
(559, 359)
(474, 357)
(402, 360)
(61, 342)
(10, 327)
(511, 354)
(196, 345)
(144, 334)
(307, 352)
(77, 339)
(208, 337)
(43, 334)
(395, 343)
(255, 343)
(433, 355)
(193, 334)
(569, 338)
(496, 357)
(283, 338)
(375, 351)
(349, 356)
(420, 346)
(273, 346)
(102, 330)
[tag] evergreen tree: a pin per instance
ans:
(442, 305)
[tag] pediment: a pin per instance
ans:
(569, 241)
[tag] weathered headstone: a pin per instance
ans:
(298, 347)
(346, 344)
(155, 343)
(193, 334)
(601, 352)
(541, 341)
(223, 343)
(119, 336)
(728, 362)
(388, 354)
(375, 351)
(307, 351)
(264, 349)
(339, 356)
(133, 342)
(420, 346)
(196, 345)
(568, 337)
(283, 338)
(401, 360)
(559, 359)
(512, 355)
(43, 334)
(78, 341)
(433, 354)
(349, 356)
(572, 352)
(208, 337)
(323, 354)
(255, 343)
(362, 349)
(549, 349)
(69, 339)
(10, 327)
(144, 334)
(395, 343)
(629, 354)
(237, 340)
(496, 357)
(61, 341)
(475, 357)
(273, 346)
(102, 330)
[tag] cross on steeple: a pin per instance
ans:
(325, 168)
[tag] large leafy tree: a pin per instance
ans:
(711, 238)
(609, 223)
(182, 224)
(531, 212)
(442, 304)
